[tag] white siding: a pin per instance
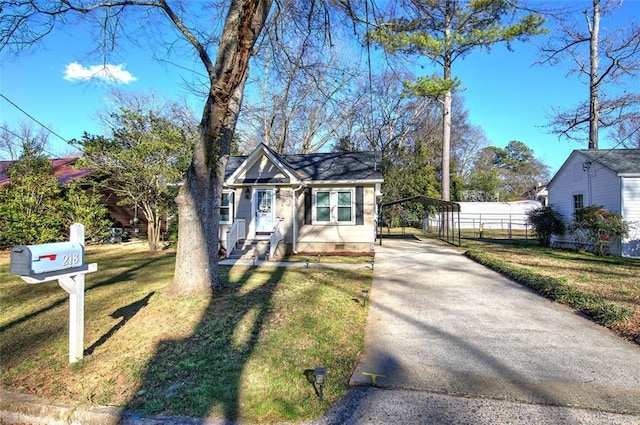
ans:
(631, 214)
(598, 186)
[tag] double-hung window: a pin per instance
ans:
(226, 207)
(578, 202)
(334, 206)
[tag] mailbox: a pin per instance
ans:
(29, 260)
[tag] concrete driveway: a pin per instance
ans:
(450, 341)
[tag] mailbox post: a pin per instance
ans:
(64, 262)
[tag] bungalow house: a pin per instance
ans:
(305, 203)
(608, 178)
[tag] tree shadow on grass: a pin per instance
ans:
(126, 275)
(200, 375)
(127, 312)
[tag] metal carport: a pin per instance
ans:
(445, 209)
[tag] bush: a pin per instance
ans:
(546, 222)
(596, 227)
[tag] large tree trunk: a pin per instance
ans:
(446, 112)
(446, 147)
(594, 84)
(198, 201)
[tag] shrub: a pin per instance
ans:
(596, 227)
(546, 222)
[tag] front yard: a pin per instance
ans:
(243, 353)
(240, 355)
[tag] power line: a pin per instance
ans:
(14, 134)
(29, 115)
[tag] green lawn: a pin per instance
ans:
(239, 355)
(607, 289)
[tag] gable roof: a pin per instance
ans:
(331, 167)
(63, 168)
(620, 161)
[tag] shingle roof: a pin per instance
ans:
(335, 166)
(620, 161)
(63, 168)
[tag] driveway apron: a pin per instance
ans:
(443, 324)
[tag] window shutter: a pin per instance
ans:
(359, 205)
(307, 206)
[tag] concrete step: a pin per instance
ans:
(250, 249)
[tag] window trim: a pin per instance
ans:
(333, 205)
(576, 197)
(230, 207)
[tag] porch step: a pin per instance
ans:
(251, 248)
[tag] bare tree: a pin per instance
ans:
(305, 85)
(606, 56)
(387, 117)
(627, 133)
(14, 140)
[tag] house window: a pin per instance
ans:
(345, 206)
(578, 202)
(226, 207)
(334, 206)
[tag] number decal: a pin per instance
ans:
(70, 260)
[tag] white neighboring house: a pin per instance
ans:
(608, 178)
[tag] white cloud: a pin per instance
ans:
(109, 73)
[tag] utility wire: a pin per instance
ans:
(14, 134)
(27, 114)
(621, 142)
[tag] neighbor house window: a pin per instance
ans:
(226, 207)
(334, 206)
(578, 203)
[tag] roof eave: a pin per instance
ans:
(345, 182)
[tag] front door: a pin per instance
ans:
(263, 206)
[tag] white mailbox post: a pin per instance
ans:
(64, 262)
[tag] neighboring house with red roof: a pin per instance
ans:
(62, 167)
(124, 217)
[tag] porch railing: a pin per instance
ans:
(276, 236)
(235, 233)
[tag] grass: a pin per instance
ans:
(606, 289)
(240, 355)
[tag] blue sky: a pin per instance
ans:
(505, 93)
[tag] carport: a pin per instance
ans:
(448, 228)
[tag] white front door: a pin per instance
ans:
(263, 211)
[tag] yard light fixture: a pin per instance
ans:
(306, 264)
(365, 297)
(316, 377)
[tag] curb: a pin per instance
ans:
(21, 409)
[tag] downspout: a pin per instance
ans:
(621, 213)
(294, 220)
